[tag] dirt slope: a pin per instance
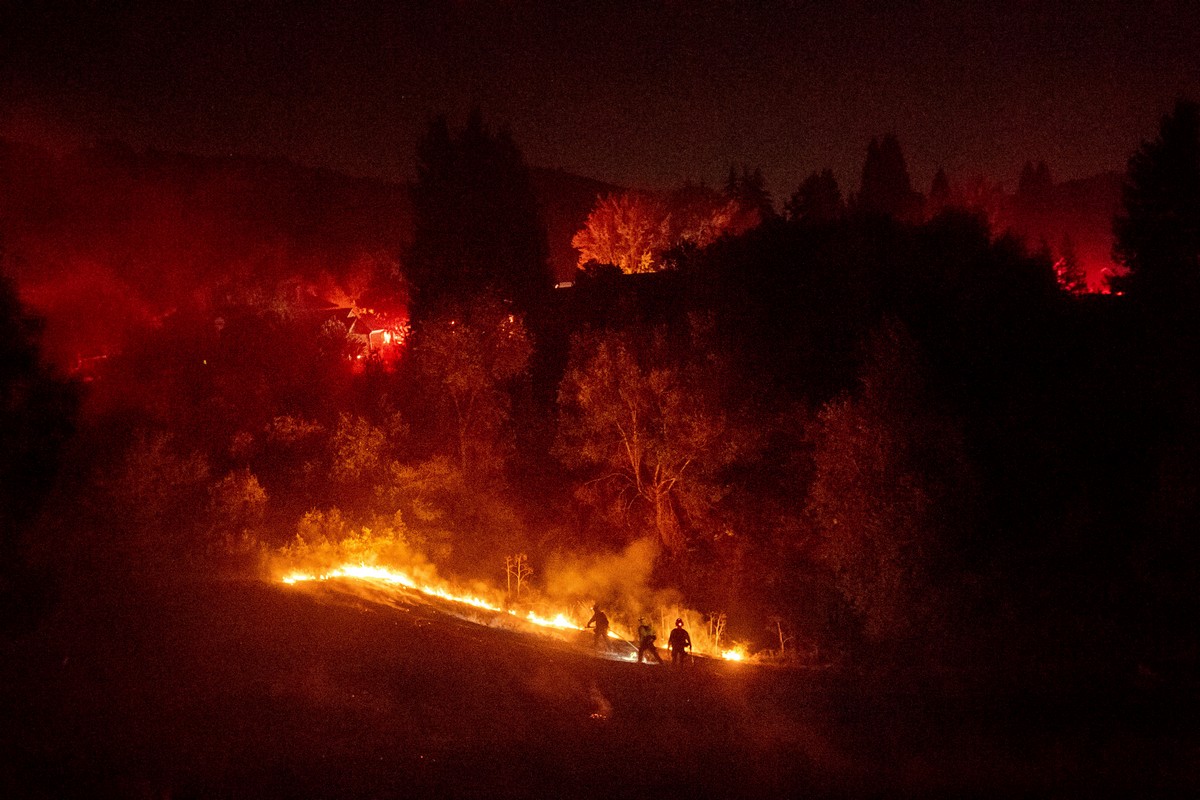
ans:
(252, 690)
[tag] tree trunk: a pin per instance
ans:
(665, 522)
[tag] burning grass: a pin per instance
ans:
(385, 564)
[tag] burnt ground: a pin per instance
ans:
(244, 689)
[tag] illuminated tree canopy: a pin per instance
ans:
(629, 230)
(467, 359)
(646, 430)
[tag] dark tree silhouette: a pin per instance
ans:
(1035, 181)
(37, 412)
(817, 200)
(749, 190)
(477, 226)
(939, 194)
(1158, 241)
(886, 187)
(890, 472)
(1158, 228)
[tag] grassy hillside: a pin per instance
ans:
(253, 690)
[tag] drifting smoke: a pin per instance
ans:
(620, 584)
(89, 311)
(618, 581)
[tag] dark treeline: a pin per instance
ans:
(105, 241)
(869, 429)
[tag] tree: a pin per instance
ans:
(237, 507)
(818, 199)
(1070, 275)
(717, 622)
(749, 192)
(889, 474)
(940, 196)
(700, 215)
(633, 230)
(333, 344)
(646, 428)
(1158, 228)
(629, 230)
(359, 450)
(37, 413)
(477, 226)
(153, 495)
(1034, 184)
(458, 520)
(783, 632)
(886, 187)
(516, 572)
(467, 360)
(984, 197)
(1158, 241)
(285, 456)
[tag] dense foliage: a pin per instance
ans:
(862, 432)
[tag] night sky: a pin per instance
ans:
(647, 93)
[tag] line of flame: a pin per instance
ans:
(391, 576)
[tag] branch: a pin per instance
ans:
(604, 478)
(632, 451)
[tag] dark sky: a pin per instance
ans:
(646, 93)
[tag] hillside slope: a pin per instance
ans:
(253, 690)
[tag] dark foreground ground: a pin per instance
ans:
(249, 690)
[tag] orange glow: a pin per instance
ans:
(558, 621)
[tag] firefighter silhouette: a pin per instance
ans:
(678, 642)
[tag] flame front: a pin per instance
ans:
(559, 621)
(392, 577)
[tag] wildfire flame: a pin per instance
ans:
(392, 577)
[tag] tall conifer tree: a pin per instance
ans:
(478, 228)
(1158, 228)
